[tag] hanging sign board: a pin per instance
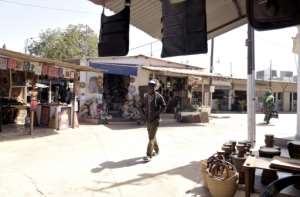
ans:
(12, 64)
(3, 63)
(69, 74)
(37, 68)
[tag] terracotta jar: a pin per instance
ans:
(269, 140)
(233, 144)
(241, 150)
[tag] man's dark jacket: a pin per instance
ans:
(158, 106)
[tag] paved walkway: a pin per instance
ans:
(107, 160)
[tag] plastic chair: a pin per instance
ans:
(275, 187)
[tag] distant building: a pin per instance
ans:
(286, 75)
(265, 75)
(295, 78)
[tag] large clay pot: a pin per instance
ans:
(223, 188)
(203, 172)
(269, 140)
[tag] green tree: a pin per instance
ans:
(76, 41)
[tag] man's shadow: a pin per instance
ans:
(118, 164)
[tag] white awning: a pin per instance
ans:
(182, 72)
(222, 15)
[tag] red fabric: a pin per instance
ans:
(12, 63)
(33, 105)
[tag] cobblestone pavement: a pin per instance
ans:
(97, 160)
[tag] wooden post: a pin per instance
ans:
(10, 83)
(31, 121)
(50, 93)
(75, 93)
(33, 106)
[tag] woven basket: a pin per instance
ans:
(223, 188)
(203, 173)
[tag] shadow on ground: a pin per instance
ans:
(199, 191)
(12, 134)
(264, 124)
(118, 164)
(189, 171)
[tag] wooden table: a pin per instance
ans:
(251, 164)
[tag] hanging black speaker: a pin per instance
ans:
(273, 14)
(114, 33)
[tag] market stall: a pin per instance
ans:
(120, 90)
(38, 91)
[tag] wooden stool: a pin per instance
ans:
(268, 176)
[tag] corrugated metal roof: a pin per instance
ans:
(179, 71)
(222, 15)
(24, 57)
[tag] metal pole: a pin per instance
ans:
(251, 86)
(271, 76)
(211, 69)
(298, 88)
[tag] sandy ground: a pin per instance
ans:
(97, 160)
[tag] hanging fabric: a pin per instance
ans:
(184, 28)
(114, 33)
(273, 14)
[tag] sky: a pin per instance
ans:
(24, 19)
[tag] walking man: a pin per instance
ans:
(268, 103)
(153, 105)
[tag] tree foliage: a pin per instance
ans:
(76, 41)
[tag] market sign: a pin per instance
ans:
(37, 68)
(69, 74)
(3, 63)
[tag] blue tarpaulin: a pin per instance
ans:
(116, 69)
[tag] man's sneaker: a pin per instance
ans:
(147, 159)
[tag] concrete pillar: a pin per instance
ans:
(292, 101)
(298, 89)
(230, 99)
(251, 86)
(286, 101)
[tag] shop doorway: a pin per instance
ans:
(174, 91)
(115, 91)
(240, 101)
(220, 100)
